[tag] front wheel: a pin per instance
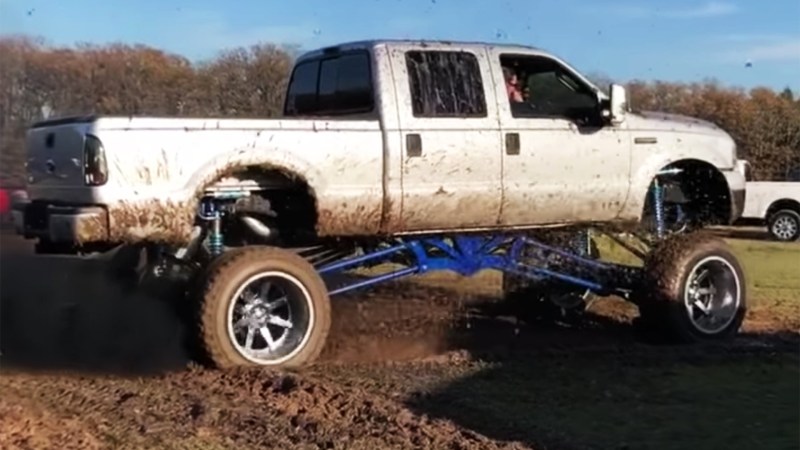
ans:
(263, 306)
(784, 225)
(692, 289)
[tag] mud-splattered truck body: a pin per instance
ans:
(381, 138)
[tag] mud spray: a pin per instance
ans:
(60, 312)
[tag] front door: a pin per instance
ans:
(561, 164)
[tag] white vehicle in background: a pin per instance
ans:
(774, 204)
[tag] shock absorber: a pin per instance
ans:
(211, 213)
(215, 238)
(658, 202)
(584, 238)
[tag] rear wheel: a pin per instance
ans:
(692, 289)
(263, 306)
(784, 225)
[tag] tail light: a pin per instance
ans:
(95, 167)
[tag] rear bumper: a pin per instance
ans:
(61, 224)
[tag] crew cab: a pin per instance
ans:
(382, 138)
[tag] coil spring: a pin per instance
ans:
(215, 242)
(658, 201)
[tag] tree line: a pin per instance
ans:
(38, 80)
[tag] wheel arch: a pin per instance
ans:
(703, 184)
(280, 171)
(781, 204)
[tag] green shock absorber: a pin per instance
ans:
(211, 213)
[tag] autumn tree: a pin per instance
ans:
(38, 80)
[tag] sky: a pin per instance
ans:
(671, 40)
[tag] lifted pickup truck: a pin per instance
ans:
(409, 150)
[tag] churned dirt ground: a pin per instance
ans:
(429, 364)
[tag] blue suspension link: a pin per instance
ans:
(467, 255)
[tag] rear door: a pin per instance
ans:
(450, 137)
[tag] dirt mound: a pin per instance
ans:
(396, 322)
(239, 408)
(25, 426)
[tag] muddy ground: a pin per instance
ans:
(87, 365)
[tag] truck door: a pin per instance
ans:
(450, 139)
(561, 162)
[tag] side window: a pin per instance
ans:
(540, 87)
(445, 84)
(331, 86)
(301, 97)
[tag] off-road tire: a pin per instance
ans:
(660, 294)
(225, 275)
(789, 215)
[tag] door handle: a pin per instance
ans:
(413, 145)
(512, 143)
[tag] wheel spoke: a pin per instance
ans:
(241, 323)
(701, 276)
(272, 306)
(265, 333)
(275, 320)
(248, 344)
(702, 307)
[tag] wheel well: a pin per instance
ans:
(701, 188)
(784, 203)
(278, 198)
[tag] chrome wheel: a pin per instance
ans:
(785, 228)
(713, 295)
(270, 318)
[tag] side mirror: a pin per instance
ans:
(619, 104)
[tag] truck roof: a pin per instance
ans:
(433, 43)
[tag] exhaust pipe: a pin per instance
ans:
(258, 227)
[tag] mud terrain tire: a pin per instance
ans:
(222, 285)
(668, 300)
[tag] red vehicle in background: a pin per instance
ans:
(5, 201)
(9, 196)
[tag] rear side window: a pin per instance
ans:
(445, 84)
(331, 86)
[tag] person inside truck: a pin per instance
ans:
(512, 85)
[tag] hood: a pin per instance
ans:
(652, 120)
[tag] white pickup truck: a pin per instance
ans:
(379, 139)
(775, 204)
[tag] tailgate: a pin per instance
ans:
(55, 153)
